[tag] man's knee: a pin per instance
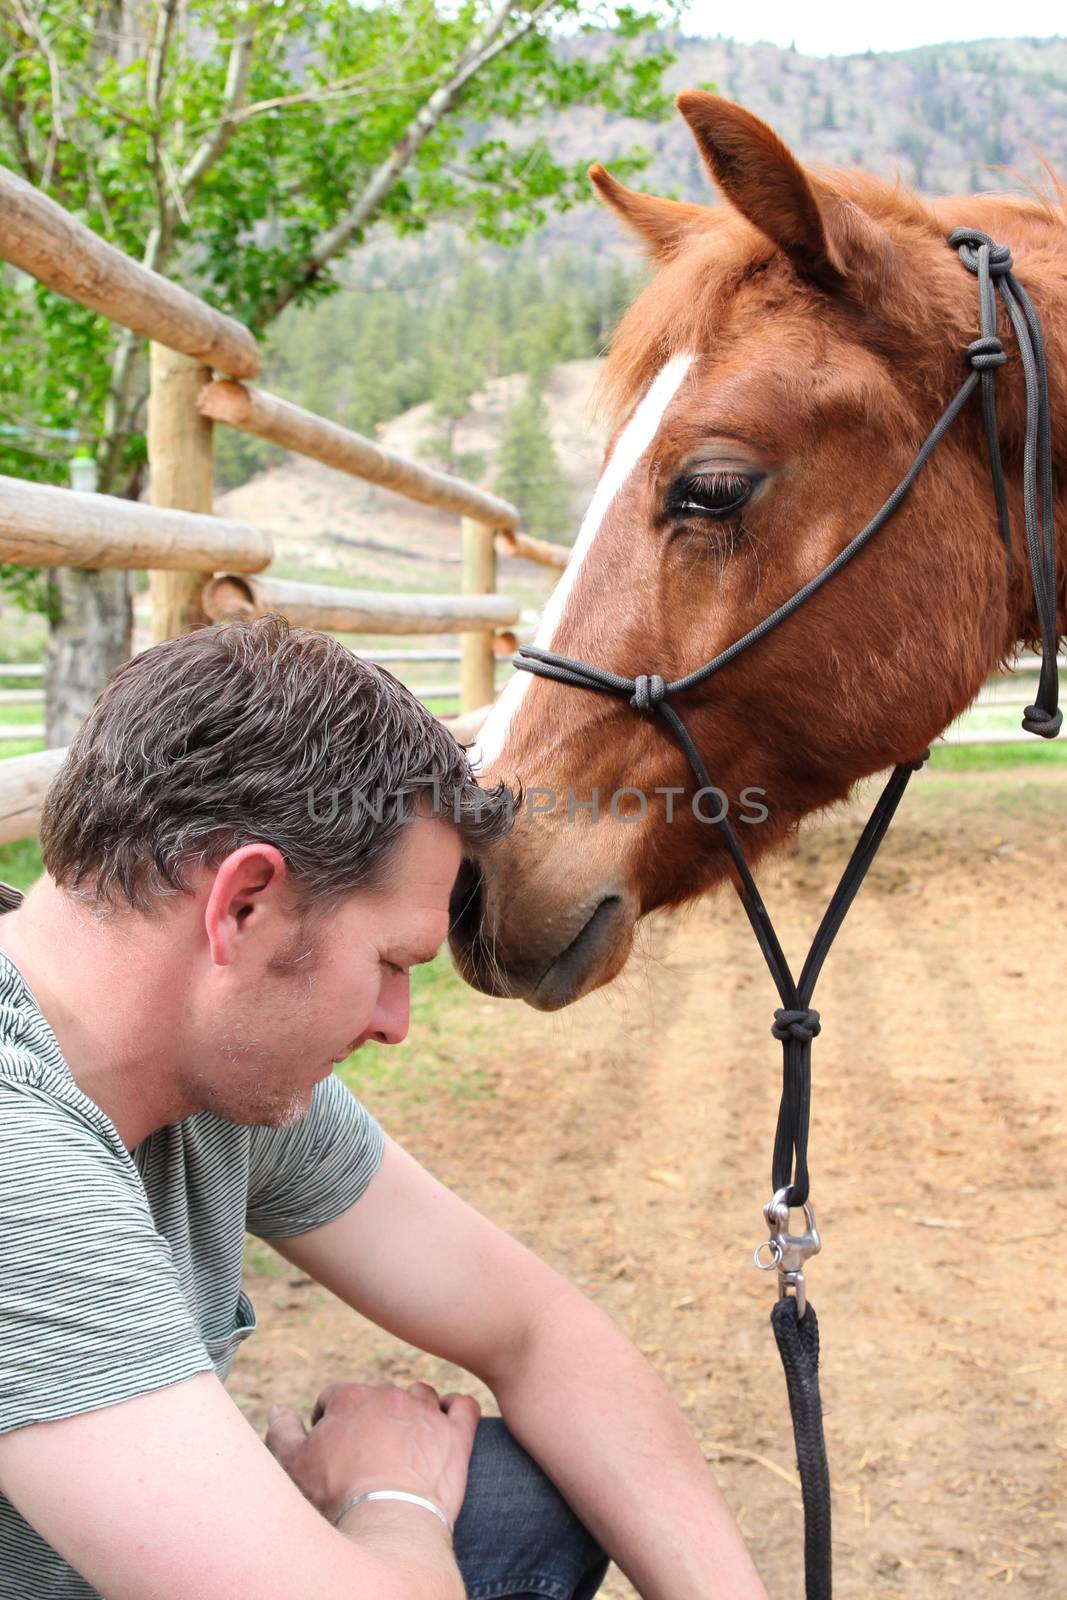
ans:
(516, 1536)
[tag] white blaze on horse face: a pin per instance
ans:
(634, 440)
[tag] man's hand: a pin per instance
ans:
(368, 1436)
(172, 1495)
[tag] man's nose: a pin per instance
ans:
(390, 1022)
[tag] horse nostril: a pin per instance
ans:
(465, 904)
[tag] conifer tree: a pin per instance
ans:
(528, 470)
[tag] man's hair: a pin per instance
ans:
(253, 733)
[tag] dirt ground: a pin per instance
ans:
(627, 1140)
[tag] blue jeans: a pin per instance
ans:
(516, 1536)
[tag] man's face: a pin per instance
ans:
(320, 986)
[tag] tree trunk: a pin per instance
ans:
(91, 635)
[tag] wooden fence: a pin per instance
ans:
(204, 567)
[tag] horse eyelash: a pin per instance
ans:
(717, 482)
(711, 484)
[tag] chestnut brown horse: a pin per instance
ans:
(773, 383)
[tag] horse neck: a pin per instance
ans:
(1037, 236)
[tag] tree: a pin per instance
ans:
(528, 471)
(244, 148)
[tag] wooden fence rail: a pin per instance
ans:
(335, 610)
(37, 235)
(543, 551)
(24, 782)
(41, 526)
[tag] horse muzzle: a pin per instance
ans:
(548, 953)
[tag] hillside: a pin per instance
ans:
(947, 117)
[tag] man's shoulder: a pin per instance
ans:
(29, 1052)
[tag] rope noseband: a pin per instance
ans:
(796, 1024)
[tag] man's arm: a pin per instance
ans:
(172, 1495)
(418, 1261)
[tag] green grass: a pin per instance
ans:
(21, 715)
(20, 863)
(996, 757)
(20, 747)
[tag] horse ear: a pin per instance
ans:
(825, 236)
(664, 224)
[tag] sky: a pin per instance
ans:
(844, 27)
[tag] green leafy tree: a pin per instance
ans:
(244, 148)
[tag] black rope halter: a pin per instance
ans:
(796, 1024)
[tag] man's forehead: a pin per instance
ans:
(423, 870)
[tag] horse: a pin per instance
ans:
(769, 388)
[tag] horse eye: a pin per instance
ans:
(713, 494)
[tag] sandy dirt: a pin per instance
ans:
(628, 1139)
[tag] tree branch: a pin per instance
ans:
(492, 42)
(11, 107)
(158, 50)
(34, 28)
(212, 146)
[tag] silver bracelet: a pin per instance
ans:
(393, 1494)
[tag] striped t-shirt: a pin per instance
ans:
(120, 1271)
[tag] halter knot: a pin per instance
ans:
(969, 241)
(986, 353)
(649, 693)
(802, 1025)
(1046, 723)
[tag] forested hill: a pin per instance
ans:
(945, 116)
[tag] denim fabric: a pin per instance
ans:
(516, 1537)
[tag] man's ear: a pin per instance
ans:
(663, 224)
(250, 879)
(830, 241)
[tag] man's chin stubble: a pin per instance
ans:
(251, 1105)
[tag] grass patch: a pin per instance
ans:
(996, 757)
(20, 747)
(265, 1262)
(20, 863)
(21, 715)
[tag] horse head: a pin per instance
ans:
(772, 385)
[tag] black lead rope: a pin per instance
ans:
(796, 1023)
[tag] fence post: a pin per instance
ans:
(181, 467)
(477, 660)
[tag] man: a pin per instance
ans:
(251, 843)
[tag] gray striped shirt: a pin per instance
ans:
(120, 1271)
